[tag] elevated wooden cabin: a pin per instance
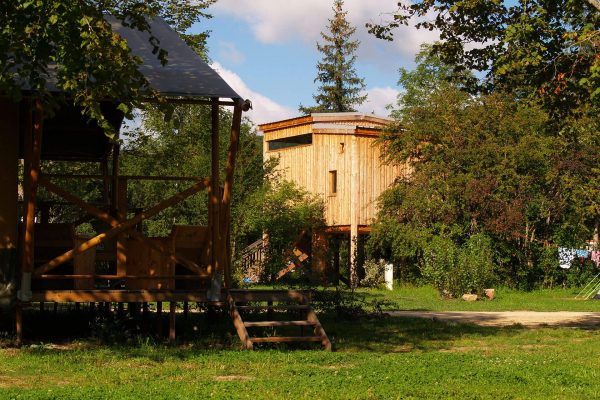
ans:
(334, 155)
(42, 259)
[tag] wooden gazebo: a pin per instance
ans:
(43, 259)
(58, 266)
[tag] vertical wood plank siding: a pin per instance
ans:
(309, 167)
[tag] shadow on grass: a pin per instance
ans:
(201, 332)
(402, 334)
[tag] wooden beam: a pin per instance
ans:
(172, 321)
(128, 177)
(121, 227)
(362, 229)
(116, 277)
(33, 174)
(118, 296)
(234, 140)
(354, 211)
(121, 214)
(214, 194)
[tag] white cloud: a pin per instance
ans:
(230, 53)
(378, 99)
(264, 109)
(276, 21)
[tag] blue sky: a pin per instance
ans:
(266, 50)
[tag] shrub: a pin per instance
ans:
(374, 273)
(458, 269)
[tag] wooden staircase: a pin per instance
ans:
(274, 305)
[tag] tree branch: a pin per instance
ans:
(595, 3)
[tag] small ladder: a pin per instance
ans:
(268, 303)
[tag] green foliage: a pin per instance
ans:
(73, 40)
(458, 269)
(539, 47)
(181, 146)
(374, 273)
(340, 88)
(283, 211)
(494, 164)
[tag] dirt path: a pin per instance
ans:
(507, 318)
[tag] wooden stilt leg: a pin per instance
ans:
(186, 308)
(145, 310)
(172, 320)
(120, 310)
(19, 323)
(55, 308)
(41, 306)
(77, 307)
(159, 319)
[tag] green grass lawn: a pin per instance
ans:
(383, 358)
(376, 357)
(405, 297)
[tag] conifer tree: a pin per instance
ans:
(340, 88)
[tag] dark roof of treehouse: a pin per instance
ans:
(185, 74)
(69, 135)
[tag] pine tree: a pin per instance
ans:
(340, 88)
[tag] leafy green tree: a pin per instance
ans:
(486, 164)
(340, 88)
(181, 146)
(539, 47)
(91, 62)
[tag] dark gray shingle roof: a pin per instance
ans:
(185, 74)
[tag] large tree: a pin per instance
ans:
(340, 88)
(548, 48)
(490, 165)
(73, 38)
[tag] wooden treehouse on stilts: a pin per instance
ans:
(336, 156)
(43, 260)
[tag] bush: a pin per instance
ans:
(458, 269)
(374, 273)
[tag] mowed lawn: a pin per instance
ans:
(377, 357)
(426, 298)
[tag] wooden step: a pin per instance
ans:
(276, 307)
(282, 339)
(268, 295)
(253, 324)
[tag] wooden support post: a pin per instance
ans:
(234, 140)
(354, 212)
(172, 321)
(115, 178)
(215, 202)
(336, 261)
(32, 174)
(319, 250)
(121, 214)
(19, 323)
(186, 309)
(145, 310)
(9, 219)
(159, 319)
(120, 310)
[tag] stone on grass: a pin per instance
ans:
(490, 293)
(470, 297)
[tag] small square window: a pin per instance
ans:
(332, 182)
